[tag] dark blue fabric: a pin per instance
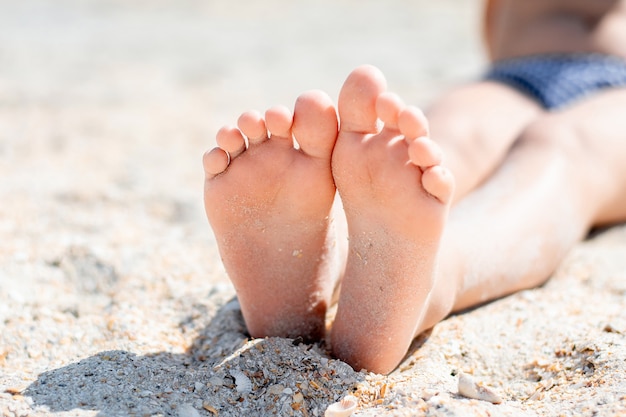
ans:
(558, 80)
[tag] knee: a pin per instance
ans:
(556, 134)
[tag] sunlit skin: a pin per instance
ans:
(481, 196)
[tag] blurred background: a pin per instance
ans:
(119, 98)
(221, 55)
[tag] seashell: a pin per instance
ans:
(242, 382)
(472, 389)
(208, 407)
(343, 408)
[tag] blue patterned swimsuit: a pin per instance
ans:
(556, 81)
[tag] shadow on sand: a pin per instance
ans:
(223, 373)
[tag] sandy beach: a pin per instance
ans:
(113, 300)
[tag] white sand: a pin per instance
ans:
(112, 298)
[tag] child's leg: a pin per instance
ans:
(475, 125)
(564, 174)
(269, 205)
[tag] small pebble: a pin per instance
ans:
(275, 389)
(216, 381)
(187, 410)
(298, 397)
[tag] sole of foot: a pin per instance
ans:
(396, 196)
(268, 196)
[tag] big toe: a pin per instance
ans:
(315, 124)
(357, 100)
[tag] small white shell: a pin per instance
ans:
(343, 408)
(242, 382)
(472, 389)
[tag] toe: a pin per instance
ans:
(412, 123)
(278, 121)
(231, 140)
(315, 124)
(253, 126)
(424, 152)
(388, 106)
(357, 100)
(439, 183)
(215, 162)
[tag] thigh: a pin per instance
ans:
(476, 124)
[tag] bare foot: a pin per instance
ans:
(396, 196)
(269, 204)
